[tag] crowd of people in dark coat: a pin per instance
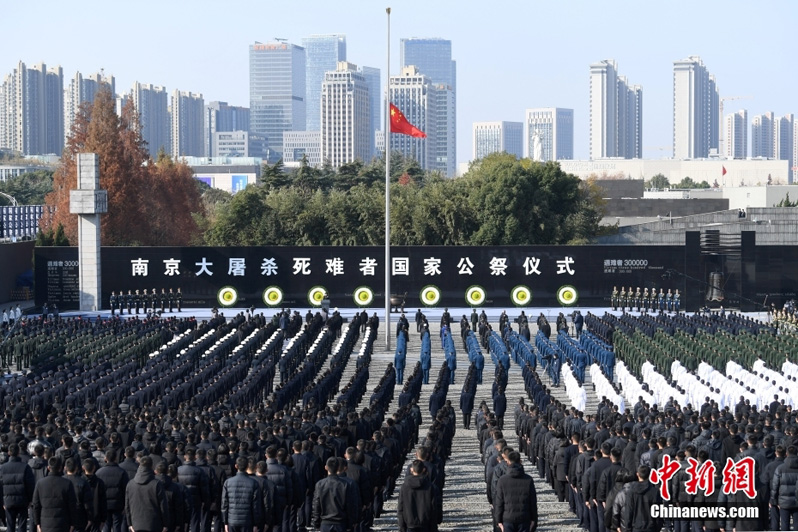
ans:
(609, 464)
(241, 423)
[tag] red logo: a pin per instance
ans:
(663, 475)
(739, 477)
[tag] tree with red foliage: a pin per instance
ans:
(148, 203)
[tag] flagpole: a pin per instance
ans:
(388, 186)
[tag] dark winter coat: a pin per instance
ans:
(241, 501)
(636, 513)
(16, 484)
(54, 504)
(197, 483)
(335, 502)
(146, 506)
(99, 504)
(280, 475)
(115, 479)
(84, 502)
(515, 500)
(782, 486)
(416, 507)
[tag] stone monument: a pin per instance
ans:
(89, 202)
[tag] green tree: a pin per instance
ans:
(29, 188)
(785, 202)
(659, 181)
(60, 238)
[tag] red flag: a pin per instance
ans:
(724, 171)
(399, 124)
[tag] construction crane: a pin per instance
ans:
(721, 150)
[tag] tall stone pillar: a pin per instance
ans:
(89, 202)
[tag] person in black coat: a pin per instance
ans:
(500, 406)
(335, 502)
(54, 501)
(515, 501)
(115, 479)
(146, 506)
(641, 497)
(241, 500)
(280, 475)
(83, 494)
(197, 483)
(16, 485)
(416, 507)
(99, 503)
(783, 489)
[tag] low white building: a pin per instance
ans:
(726, 172)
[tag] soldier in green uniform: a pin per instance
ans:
(638, 296)
(645, 298)
(179, 300)
(614, 298)
(113, 303)
(622, 298)
(669, 300)
(676, 301)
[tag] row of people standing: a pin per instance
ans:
(644, 300)
(147, 301)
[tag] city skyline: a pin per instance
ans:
(528, 73)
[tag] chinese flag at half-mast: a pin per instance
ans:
(399, 124)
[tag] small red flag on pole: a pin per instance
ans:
(400, 124)
(724, 170)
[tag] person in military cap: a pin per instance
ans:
(645, 299)
(137, 301)
(179, 299)
(614, 298)
(669, 300)
(112, 303)
(638, 296)
(172, 298)
(622, 298)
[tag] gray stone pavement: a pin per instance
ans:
(465, 505)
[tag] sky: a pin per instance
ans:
(510, 55)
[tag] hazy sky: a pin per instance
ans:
(510, 55)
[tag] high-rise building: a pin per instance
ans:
(551, 131)
(221, 117)
(737, 135)
(696, 110)
(762, 135)
(616, 117)
(774, 138)
(433, 58)
(493, 137)
(33, 110)
(83, 89)
(376, 95)
(152, 104)
(345, 116)
(322, 54)
(276, 92)
(414, 94)
(188, 124)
